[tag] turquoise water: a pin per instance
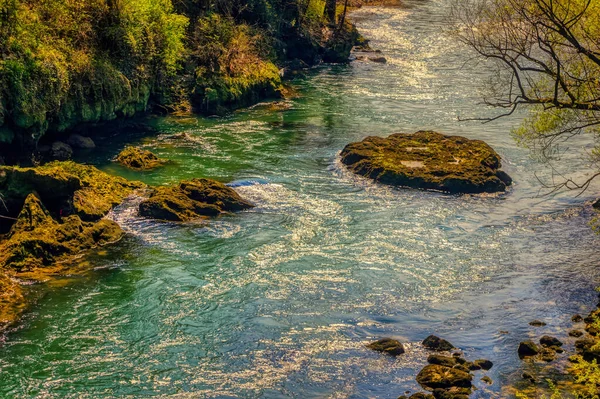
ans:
(278, 301)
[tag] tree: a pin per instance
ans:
(548, 57)
(330, 11)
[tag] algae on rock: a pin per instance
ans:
(192, 199)
(138, 159)
(428, 160)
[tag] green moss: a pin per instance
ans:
(12, 300)
(138, 159)
(65, 188)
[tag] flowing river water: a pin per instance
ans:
(279, 301)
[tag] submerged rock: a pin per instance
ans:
(436, 376)
(575, 333)
(537, 323)
(60, 151)
(437, 344)
(81, 142)
(192, 199)
(387, 345)
(137, 159)
(428, 160)
(487, 380)
(577, 318)
(12, 300)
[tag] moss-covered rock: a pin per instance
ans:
(428, 160)
(435, 376)
(12, 300)
(387, 345)
(37, 240)
(435, 343)
(138, 159)
(192, 199)
(65, 188)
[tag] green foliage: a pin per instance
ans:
(56, 54)
(232, 64)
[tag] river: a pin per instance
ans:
(279, 301)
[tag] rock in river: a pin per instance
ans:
(528, 348)
(192, 199)
(387, 345)
(437, 344)
(138, 159)
(428, 160)
(436, 376)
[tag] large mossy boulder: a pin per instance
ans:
(138, 159)
(192, 199)
(37, 240)
(428, 160)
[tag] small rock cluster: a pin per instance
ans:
(547, 349)
(445, 376)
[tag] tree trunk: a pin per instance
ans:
(330, 11)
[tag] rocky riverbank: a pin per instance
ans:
(57, 211)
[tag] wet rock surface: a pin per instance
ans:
(437, 344)
(138, 159)
(528, 348)
(436, 376)
(192, 199)
(428, 160)
(387, 345)
(51, 213)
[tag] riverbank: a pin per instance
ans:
(99, 64)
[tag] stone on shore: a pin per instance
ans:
(428, 160)
(387, 345)
(192, 199)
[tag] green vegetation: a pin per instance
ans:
(66, 62)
